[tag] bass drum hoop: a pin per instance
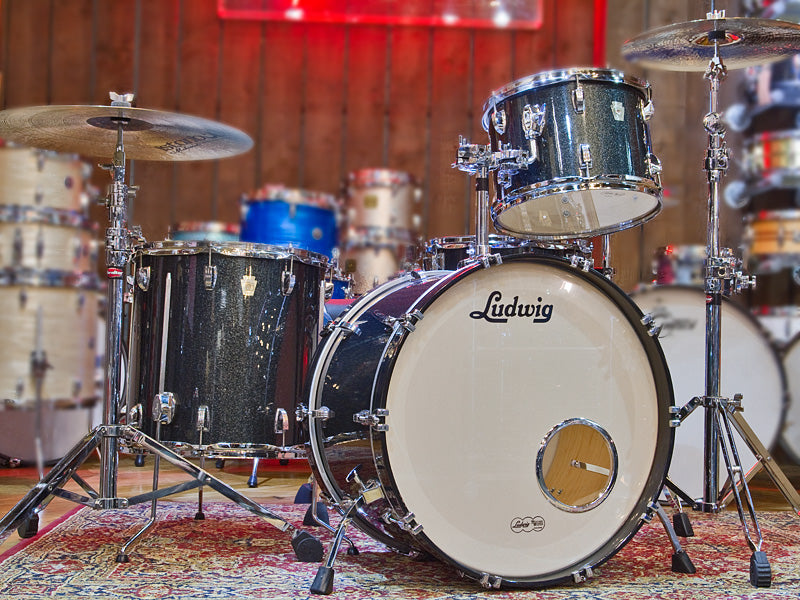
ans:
(663, 448)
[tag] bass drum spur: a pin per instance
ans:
(519, 431)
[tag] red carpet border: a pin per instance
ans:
(235, 554)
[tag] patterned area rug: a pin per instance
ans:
(235, 554)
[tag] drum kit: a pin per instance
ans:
(550, 447)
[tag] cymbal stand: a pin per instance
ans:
(108, 435)
(722, 277)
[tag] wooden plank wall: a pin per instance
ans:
(322, 100)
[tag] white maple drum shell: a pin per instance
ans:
(47, 239)
(67, 333)
(371, 266)
(384, 199)
(43, 178)
(790, 436)
(749, 366)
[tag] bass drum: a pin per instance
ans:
(519, 431)
(746, 351)
(790, 437)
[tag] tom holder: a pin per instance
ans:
(107, 437)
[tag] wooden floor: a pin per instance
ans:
(276, 484)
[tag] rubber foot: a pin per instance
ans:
(220, 464)
(199, 516)
(322, 515)
(352, 551)
(138, 460)
(760, 571)
(682, 525)
(29, 528)
(323, 582)
(307, 548)
(252, 482)
(681, 563)
(122, 558)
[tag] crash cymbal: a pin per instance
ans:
(147, 134)
(689, 46)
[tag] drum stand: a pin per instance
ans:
(108, 435)
(722, 415)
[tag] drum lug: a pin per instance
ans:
(348, 328)
(164, 407)
(372, 420)
(582, 262)
(499, 121)
(652, 329)
(281, 421)
(135, 415)
(287, 282)
(407, 321)
(533, 120)
(577, 99)
(210, 276)
(490, 582)
(648, 110)
(675, 421)
(301, 413)
(655, 168)
(582, 575)
(406, 523)
(143, 278)
(203, 418)
(17, 248)
(585, 152)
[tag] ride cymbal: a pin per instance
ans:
(147, 134)
(689, 46)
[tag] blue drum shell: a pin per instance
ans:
(280, 223)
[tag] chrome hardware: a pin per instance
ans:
(652, 329)
(647, 110)
(372, 420)
(533, 120)
(164, 405)
(370, 491)
(323, 413)
(210, 276)
(407, 321)
(348, 328)
(581, 262)
(281, 421)
(654, 167)
(585, 151)
(135, 415)
(287, 282)
(675, 411)
(490, 582)
(249, 283)
(499, 121)
(406, 523)
(121, 99)
(582, 575)
(143, 278)
(203, 418)
(504, 179)
(17, 248)
(577, 98)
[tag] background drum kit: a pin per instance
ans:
(509, 355)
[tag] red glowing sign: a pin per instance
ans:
(500, 14)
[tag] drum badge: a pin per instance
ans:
(527, 524)
(618, 110)
(249, 283)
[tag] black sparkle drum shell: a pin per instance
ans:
(590, 169)
(239, 351)
(458, 385)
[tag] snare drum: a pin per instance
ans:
(746, 351)
(34, 238)
(43, 178)
(589, 168)
(519, 431)
(281, 216)
(226, 328)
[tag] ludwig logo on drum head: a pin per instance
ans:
(527, 524)
(496, 312)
